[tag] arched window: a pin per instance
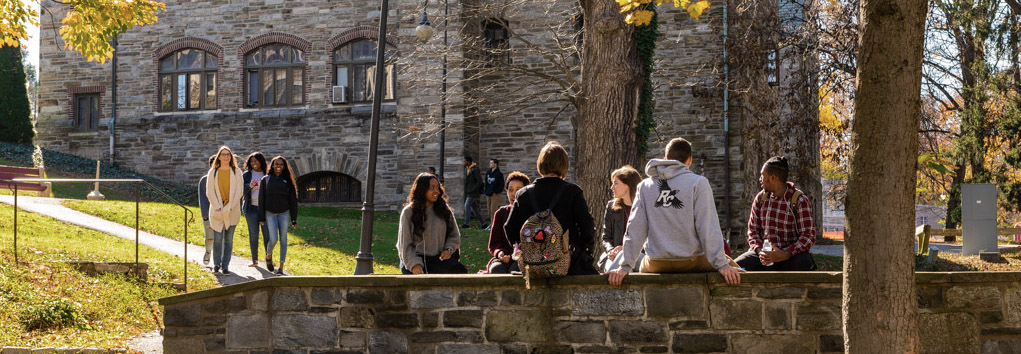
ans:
(188, 80)
(329, 187)
(274, 76)
(355, 68)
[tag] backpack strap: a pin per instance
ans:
(793, 204)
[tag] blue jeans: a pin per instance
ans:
(277, 224)
(209, 236)
(223, 245)
(252, 218)
(471, 207)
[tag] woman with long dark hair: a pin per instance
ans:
(278, 206)
(224, 188)
(255, 169)
(623, 183)
(428, 239)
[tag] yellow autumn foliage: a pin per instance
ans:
(639, 15)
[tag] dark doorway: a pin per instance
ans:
(329, 187)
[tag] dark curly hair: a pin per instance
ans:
(778, 166)
(258, 156)
(417, 200)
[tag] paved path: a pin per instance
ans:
(51, 207)
(838, 250)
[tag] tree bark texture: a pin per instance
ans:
(879, 307)
(611, 78)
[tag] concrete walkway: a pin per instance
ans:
(838, 250)
(51, 207)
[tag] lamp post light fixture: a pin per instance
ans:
(424, 31)
(364, 257)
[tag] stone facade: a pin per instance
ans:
(687, 313)
(321, 136)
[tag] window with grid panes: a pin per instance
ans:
(86, 112)
(187, 80)
(274, 76)
(355, 66)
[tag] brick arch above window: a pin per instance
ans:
(188, 42)
(363, 32)
(274, 37)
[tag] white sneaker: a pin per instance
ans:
(205, 259)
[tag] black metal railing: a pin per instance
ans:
(189, 216)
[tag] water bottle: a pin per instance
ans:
(767, 247)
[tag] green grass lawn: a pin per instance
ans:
(45, 303)
(325, 243)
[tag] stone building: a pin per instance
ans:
(262, 75)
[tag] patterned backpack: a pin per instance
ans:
(545, 249)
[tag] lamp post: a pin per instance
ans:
(364, 257)
(424, 31)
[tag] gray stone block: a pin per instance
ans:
(304, 331)
(772, 344)
(581, 331)
(388, 342)
(51, 350)
(831, 343)
(736, 314)
(518, 326)
(397, 320)
(510, 297)
(690, 324)
(514, 349)
(989, 256)
(430, 320)
(258, 300)
(477, 298)
(990, 317)
(974, 297)
(468, 349)
(552, 349)
(182, 316)
(353, 339)
(356, 317)
(1012, 302)
(16, 350)
(950, 333)
(654, 349)
(224, 306)
(214, 344)
(365, 296)
(248, 332)
(731, 291)
(699, 343)
(289, 300)
(638, 332)
(686, 301)
(462, 318)
(778, 315)
(325, 296)
(1002, 346)
(819, 316)
(608, 302)
(929, 297)
(432, 337)
(593, 349)
(781, 293)
(827, 292)
(430, 299)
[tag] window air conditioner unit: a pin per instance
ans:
(339, 94)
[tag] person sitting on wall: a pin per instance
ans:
(781, 218)
(674, 217)
(428, 239)
(499, 245)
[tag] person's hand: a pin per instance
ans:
(254, 183)
(732, 275)
(218, 210)
(416, 270)
(294, 225)
(505, 259)
(616, 277)
(445, 255)
(613, 253)
(262, 223)
(774, 256)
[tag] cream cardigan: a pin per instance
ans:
(230, 214)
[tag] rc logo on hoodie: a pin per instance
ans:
(667, 197)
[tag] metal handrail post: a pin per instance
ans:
(138, 187)
(186, 250)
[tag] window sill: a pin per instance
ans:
(83, 134)
(178, 113)
(249, 109)
(366, 108)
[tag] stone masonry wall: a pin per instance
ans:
(687, 313)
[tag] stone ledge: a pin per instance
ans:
(485, 281)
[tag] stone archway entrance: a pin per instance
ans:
(329, 187)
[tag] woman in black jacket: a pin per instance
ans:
(623, 182)
(278, 206)
(571, 210)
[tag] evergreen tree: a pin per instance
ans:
(15, 115)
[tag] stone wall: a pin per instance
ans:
(684, 313)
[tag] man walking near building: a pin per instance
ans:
(674, 219)
(494, 188)
(781, 230)
(473, 186)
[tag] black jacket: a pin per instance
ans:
(494, 182)
(571, 211)
(277, 195)
(473, 183)
(614, 225)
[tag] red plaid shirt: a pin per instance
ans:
(772, 219)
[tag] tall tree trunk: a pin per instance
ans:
(611, 77)
(880, 311)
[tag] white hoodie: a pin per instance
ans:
(678, 220)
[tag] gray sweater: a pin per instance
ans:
(676, 221)
(439, 235)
